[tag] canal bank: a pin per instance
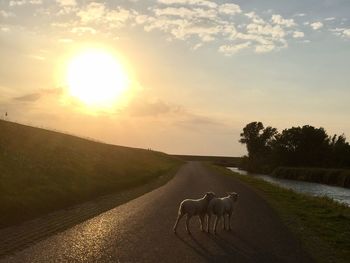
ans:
(339, 194)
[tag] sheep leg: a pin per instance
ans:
(179, 216)
(201, 219)
(229, 221)
(208, 223)
(222, 221)
(227, 226)
(216, 223)
(188, 217)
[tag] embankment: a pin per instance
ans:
(41, 170)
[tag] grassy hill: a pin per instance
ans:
(42, 170)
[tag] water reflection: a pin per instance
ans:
(338, 194)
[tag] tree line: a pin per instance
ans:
(304, 146)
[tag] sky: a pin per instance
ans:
(199, 70)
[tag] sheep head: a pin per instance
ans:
(234, 196)
(209, 195)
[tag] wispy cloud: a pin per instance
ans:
(6, 14)
(28, 97)
(206, 3)
(342, 32)
(229, 50)
(316, 25)
(298, 34)
(14, 3)
(224, 26)
(67, 2)
(279, 20)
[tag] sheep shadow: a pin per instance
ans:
(228, 251)
(249, 253)
(192, 242)
(224, 241)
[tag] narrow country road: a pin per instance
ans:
(141, 230)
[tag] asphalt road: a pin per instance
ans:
(141, 230)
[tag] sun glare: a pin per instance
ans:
(96, 78)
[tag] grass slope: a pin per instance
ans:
(41, 170)
(322, 224)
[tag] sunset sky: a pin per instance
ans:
(198, 70)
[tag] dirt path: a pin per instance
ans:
(141, 230)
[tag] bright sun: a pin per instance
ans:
(96, 78)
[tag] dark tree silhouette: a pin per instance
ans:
(259, 141)
(304, 146)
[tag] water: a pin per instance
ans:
(338, 194)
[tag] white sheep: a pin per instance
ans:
(194, 207)
(221, 207)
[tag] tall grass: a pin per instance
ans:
(338, 177)
(41, 170)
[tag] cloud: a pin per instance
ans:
(99, 14)
(197, 22)
(32, 97)
(28, 97)
(17, 2)
(275, 32)
(316, 25)
(4, 29)
(346, 32)
(66, 2)
(298, 34)
(142, 108)
(200, 25)
(81, 30)
(229, 50)
(6, 14)
(37, 57)
(206, 3)
(92, 12)
(24, 2)
(186, 12)
(35, 2)
(342, 32)
(230, 9)
(264, 48)
(65, 40)
(279, 20)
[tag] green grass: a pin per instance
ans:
(41, 170)
(322, 225)
(339, 177)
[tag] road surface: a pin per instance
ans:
(141, 230)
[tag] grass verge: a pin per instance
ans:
(322, 225)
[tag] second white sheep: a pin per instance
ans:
(220, 207)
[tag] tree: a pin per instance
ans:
(303, 146)
(259, 141)
(340, 151)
